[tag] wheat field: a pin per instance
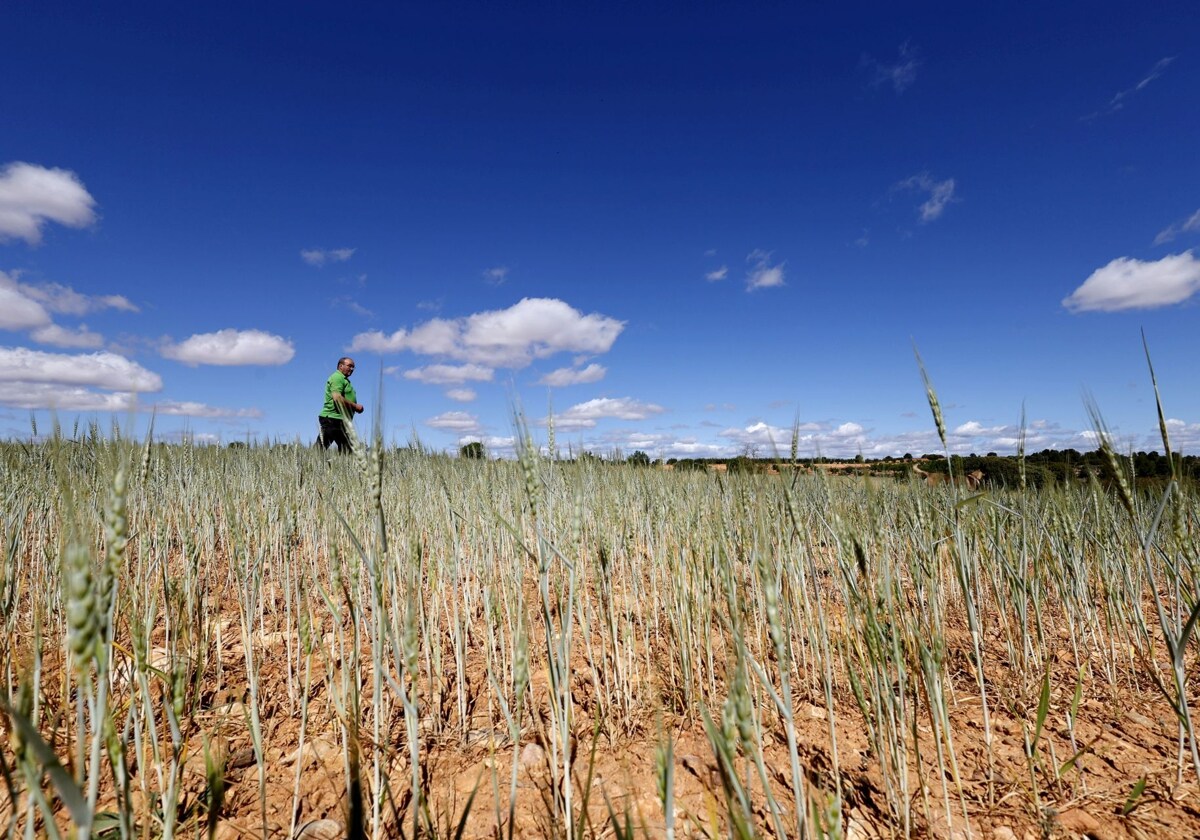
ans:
(266, 642)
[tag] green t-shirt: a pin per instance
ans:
(337, 383)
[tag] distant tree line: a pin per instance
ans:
(1047, 467)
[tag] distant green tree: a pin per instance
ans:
(742, 464)
(638, 459)
(473, 451)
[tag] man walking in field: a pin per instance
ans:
(339, 409)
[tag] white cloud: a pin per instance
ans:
(584, 415)
(1127, 283)
(436, 337)
(718, 274)
(762, 435)
(940, 193)
(975, 428)
(80, 337)
(66, 301)
(354, 306)
(27, 306)
(1119, 99)
(450, 374)
(901, 74)
(375, 341)
(31, 195)
(1189, 225)
(50, 395)
(847, 430)
(763, 275)
(571, 376)
(231, 347)
(35, 395)
(17, 310)
(533, 328)
(1185, 437)
(208, 412)
(536, 328)
(459, 422)
(99, 370)
(321, 256)
(190, 438)
(496, 276)
(461, 394)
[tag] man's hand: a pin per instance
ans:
(358, 407)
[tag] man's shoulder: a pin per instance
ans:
(336, 378)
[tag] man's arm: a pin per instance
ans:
(345, 406)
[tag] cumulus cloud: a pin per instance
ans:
(584, 415)
(231, 347)
(975, 428)
(459, 422)
(1189, 225)
(899, 74)
(1127, 283)
(496, 276)
(461, 394)
(320, 256)
(533, 328)
(940, 194)
(573, 376)
(80, 337)
(717, 274)
(762, 274)
(32, 195)
(99, 370)
(450, 374)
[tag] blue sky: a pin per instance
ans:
(685, 227)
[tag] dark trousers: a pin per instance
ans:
(333, 430)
